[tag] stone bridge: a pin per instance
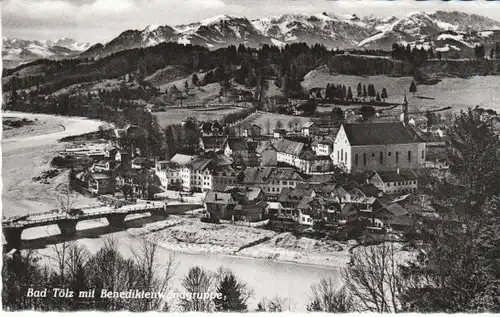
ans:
(13, 227)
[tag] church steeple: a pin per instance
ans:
(404, 110)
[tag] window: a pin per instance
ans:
(346, 157)
(389, 154)
(338, 155)
(409, 156)
(423, 154)
(381, 158)
(373, 154)
(341, 154)
(285, 183)
(364, 159)
(397, 157)
(356, 159)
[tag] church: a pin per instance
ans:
(382, 146)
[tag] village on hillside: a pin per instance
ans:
(344, 179)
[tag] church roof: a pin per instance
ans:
(380, 133)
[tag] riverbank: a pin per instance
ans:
(27, 153)
(190, 235)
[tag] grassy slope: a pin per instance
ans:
(458, 93)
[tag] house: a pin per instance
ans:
(99, 184)
(123, 157)
(305, 213)
(219, 205)
(266, 153)
(290, 198)
(105, 166)
(237, 204)
(394, 217)
(272, 180)
(278, 101)
(251, 203)
(323, 146)
(236, 148)
(197, 174)
(391, 182)
(223, 176)
(254, 131)
(420, 122)
(169, 174)
(141, 163)
(279, 133)
(307, 128)
(110, 154)
(212, 143)
(288, 151)
(383, 146)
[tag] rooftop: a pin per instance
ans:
(380, 133)
(396, 176)
(288, 146)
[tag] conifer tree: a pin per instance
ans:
(232, 297)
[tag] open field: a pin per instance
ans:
(176, 115)
(458, 93)
(263, 119)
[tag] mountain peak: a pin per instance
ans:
(219, 18)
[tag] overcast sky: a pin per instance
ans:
(101, 20)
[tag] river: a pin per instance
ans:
(267, 278)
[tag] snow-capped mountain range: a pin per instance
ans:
(441, 29)
(17, 51)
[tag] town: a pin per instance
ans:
(345, 178)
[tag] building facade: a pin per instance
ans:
(383, 146)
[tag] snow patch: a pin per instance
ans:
(277, 42)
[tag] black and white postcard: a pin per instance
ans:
(250, 156)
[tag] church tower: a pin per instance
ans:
(404, 111)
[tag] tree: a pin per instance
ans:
(373, 279)
(439, 55)
(197, 281)
(234, 293)
(378, 97)
(195, 80)
(279, 124)
(384, 94)
(413, 88)
(337, 114)
(367, 112)
(326, 298)
(359, 91)
(274, 305)
(349, 94)
(365, 93)
(479, 51)
(474, 155)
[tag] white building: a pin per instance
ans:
(395, 182)
(384, 146)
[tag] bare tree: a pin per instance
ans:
(152, 276)
(373, 279)
(274, 305)
(196, 283)
(326, 297)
